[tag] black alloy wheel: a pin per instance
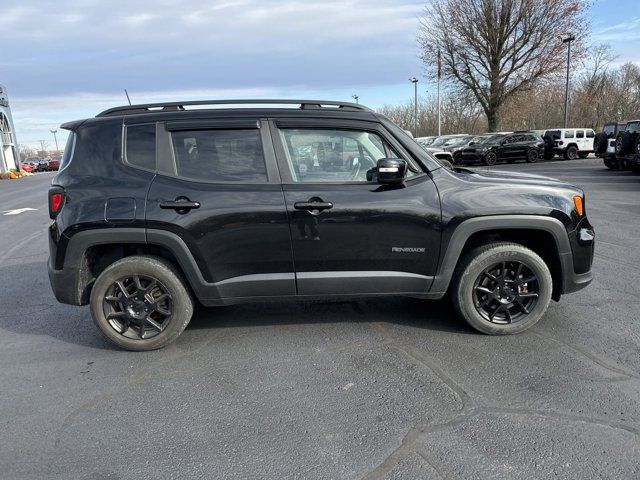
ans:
(138, 307)
(490, 158)
(506, 292)
(532, 156)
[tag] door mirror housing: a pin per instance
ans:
(391, 171)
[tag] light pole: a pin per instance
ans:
(414, 80)
(55, 139)
(568, 41)
(355, 97)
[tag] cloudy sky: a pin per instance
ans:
(70, 59)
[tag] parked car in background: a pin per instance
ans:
(27, 167)
(460, 144)
(628, 145)
(570, 143)
(35, 163)
(512, 147)
(53, 163)
(604, 144)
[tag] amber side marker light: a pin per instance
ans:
(577, 201)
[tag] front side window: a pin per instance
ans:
(319, 156)
(220, 155)
(140, 146)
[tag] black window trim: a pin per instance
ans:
(201, 125)
(124, 159)
(332, 124)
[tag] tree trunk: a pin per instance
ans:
(492, 118)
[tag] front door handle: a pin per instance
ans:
(179, 205)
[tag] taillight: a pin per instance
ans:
(56, 201)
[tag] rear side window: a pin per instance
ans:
(220, 155)
(141, 146)
(610, 129)
(579, 133)
(591, 134)
(68, 151)
(568, 134)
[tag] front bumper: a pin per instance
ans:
(576, 265)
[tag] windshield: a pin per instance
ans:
(460, 140)
(495, 139)
(425, 142)
(440, 141)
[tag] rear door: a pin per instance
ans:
(351, 235)
(218, 191)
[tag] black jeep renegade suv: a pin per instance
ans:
(156, 206)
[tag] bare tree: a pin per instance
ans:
(497, 48)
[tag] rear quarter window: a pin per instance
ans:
(67, 156)
(140, 146)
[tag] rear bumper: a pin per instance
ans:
(64, 284)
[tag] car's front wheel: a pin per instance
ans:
(141, 303)
(501, 288)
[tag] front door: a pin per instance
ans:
(218, 190)
(350, 235)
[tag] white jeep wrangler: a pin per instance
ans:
(571, 143)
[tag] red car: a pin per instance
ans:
(27, 167)
(54, 163)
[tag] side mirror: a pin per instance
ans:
(391, 171)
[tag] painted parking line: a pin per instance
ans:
(18, 211)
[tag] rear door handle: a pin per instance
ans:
(312, 206)
(181, 206)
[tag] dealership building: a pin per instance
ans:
(9, 157)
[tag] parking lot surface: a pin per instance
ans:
(385, 388)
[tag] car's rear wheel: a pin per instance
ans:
(611, 164)
(501, 288)
(490, 158)
(571, 152)
(141, 303)
(532, 156)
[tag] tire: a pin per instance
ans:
(571, 152)
(623, 141)
(583, 155)
(490, 159)
(611, 164)
(168, 281)
(532, 155)
(467, 283)
(600, 143)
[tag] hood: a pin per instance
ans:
(501, 176)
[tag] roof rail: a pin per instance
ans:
(178, 106)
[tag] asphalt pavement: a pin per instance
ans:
(376, 389)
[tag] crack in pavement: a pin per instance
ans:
(471, 408)
(590, 356)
